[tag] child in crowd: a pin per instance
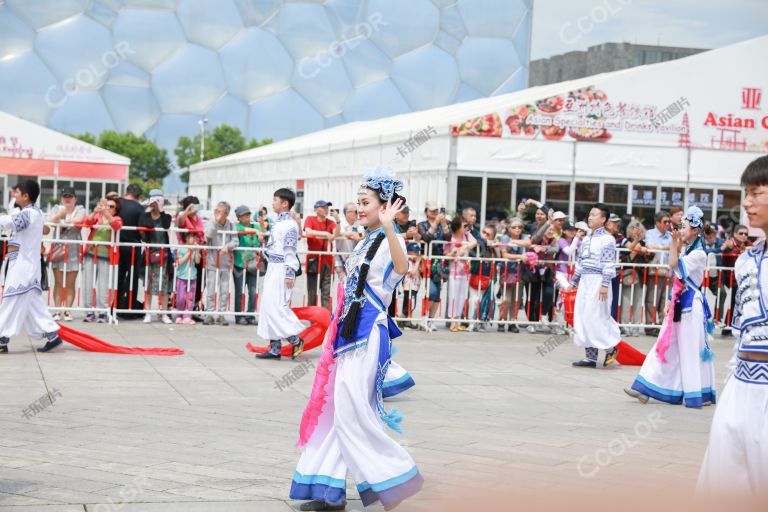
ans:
(412, 281)
(187, 258)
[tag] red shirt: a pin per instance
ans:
(320, 244)
(196, 226)
(731, 255)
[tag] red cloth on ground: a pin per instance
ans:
(94, 344)
(320, 319)
(628, 355)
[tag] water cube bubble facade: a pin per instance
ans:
(273, 68)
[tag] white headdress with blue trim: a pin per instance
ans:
(383, 181)
(694, 216)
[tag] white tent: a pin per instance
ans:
(27, 148)
(621, 126)
(57, 160)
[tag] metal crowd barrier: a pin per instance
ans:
(502, 298)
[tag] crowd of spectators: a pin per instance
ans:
(508, 270)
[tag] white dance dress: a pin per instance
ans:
(688, 375)
(350, 435)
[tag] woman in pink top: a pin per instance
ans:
(190, 219)
(462, 242)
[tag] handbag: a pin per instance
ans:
(43, 273)
(313, 265)
(254, 264)
(299, 272)
(511, 273)
(438, 270)
(529, 275)
(476, 281)
(155, 255)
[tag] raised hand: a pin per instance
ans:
(389, 210)
(677, 237)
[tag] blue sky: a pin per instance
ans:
(688, 23)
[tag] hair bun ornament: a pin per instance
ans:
(694, 215)
(383, 181)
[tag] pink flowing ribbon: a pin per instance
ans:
(665, 339)
(311, 416)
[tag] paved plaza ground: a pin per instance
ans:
(211, 431)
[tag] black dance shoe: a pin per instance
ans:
(321, 505)
(50, 345)
(297, 349)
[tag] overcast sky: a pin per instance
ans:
(687, 23)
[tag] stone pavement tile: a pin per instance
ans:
(11, 443)
(212, 427)
(135, 493)
(20, 481)
(211, 506)
(463, 451)
(262, 467)
(38, 507)
(80, 456)
(68, 494)
(117, 479)
(277, 491)
(174, 478)
(206, 493)
(204, 470)
(139, 455)
(18, 463)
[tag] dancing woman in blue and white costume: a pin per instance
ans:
(397, 380)
(679, 369)
(349, 434)
(736, 462)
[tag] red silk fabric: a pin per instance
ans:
(92, 344)
(628, 355)
(320, 319)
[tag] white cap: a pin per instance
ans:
(559, 215)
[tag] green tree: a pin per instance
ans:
(221, 141)
(87, 137)
(148, 161)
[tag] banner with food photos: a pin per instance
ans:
(665, 104)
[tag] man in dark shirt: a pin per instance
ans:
(406, 227)
(613, 226)
(130, 256)
(434, 229)
(732, 249)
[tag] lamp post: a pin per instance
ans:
(202, 124)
